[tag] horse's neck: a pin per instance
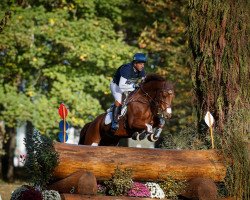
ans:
(144, 95)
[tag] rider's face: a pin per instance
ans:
(139, 66)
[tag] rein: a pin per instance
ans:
(153, 100)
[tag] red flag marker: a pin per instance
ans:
(62, 111)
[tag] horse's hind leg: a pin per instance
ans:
(83, 133)
(92, 136)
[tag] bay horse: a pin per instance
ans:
(154, 96)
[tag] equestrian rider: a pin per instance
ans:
(126, 80)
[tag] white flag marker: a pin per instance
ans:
(209, 119)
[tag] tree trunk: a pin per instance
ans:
(7, 161)
(146, 164)
(219, 39)
(2, 132)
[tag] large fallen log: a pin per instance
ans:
(146, 164)
(98, 197)
(88, 197)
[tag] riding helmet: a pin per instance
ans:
(140, 57)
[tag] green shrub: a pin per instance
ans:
(120, 183)
(187, 138)
(172, 187)
(41, 158)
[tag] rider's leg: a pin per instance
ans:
(117, 94)
(116, 113)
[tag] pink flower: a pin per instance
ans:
(139, 190)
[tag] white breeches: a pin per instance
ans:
(116, 92)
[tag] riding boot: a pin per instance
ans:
(116, 112)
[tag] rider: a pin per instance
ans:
(125, 80)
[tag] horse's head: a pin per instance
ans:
(160, 92)
(164, 100)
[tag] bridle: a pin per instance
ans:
(159, 101)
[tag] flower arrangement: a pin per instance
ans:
(26, 192)
(155, 190)
(31, 194)
(101, 189)
(139, 190)
(16, 194)
(51, 195)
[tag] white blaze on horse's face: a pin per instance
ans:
(166, 107)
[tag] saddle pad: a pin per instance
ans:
(108, 117)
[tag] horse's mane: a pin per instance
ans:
(156, 77)
(153, 77)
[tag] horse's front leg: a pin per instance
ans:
(159, 123)
(142, 125)
(139, 135)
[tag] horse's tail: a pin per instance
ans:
(83, 133)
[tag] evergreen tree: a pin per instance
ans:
(219, 39)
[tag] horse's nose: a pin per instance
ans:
(168, 113)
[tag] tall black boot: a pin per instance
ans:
(116, 112)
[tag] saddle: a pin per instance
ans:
(125, 101)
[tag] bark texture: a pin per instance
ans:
(146, 164)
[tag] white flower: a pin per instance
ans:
(155, 190)
(51, 195)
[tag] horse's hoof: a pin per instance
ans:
(135, 135)
(152, 138)
(141, 136)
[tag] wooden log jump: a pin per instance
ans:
(88, 197)
(146, 164)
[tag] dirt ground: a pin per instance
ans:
(6, 189)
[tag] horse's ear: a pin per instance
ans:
(170, 91)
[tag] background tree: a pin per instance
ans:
(165, 39)
(67, 51)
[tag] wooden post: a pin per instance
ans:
(64, 126)
(211, 130)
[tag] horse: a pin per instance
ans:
(143, 105)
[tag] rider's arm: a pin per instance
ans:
(126, 85)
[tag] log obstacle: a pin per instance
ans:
(146, 164)
(88, 197)
(80, 182)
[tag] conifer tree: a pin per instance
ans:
(219, 39)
